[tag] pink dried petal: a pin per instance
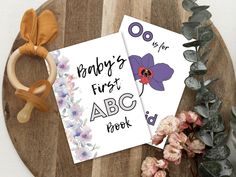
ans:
(160, 173)
(172, 154)
(149, 167)
(162, 163)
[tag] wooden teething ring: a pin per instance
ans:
(12, 74)
(27, 93)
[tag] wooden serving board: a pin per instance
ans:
(42, 143)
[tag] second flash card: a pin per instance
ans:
(158, 66)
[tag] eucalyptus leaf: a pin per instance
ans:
(214, 115)
(206, 36)
(198, 68)
(192, 44)
(203, 29)
(191, 24)
(209, 81)
(189, 29)
(192, 83)
(188, 32)
(201, 16)
(214, 124)
(233, 118)
(233, 110)
(188, 4)
(216, 168)
(217, 124)
(208, 97)
(202, 110)
(207, 126)
(234, 135)
(200, 97)
(233, 127)
(197, 9)
(205, 137)
(219, 139)
(213, 99)
(217, 153)
(190, 55)
(216, 106)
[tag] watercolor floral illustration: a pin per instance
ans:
(78, 133)
(147, 72)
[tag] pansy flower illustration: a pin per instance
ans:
(147, 72)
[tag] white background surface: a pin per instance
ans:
(224, 13)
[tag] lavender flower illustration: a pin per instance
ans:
(79, 134)
(75, 111)
(83, 154)
(62, 65)
(147, 72)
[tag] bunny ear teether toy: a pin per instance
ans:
(36, 31)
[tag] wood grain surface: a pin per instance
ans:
(42, 143)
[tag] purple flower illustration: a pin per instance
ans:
(60, 82)
(147, 72)
(61, 102)
(83, 154)
(75, 111)
(61, 91)
(76, 132)
(62, 65)
(86, 134)
(69, 123)
(55, 55)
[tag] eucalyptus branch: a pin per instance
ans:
(198, 28)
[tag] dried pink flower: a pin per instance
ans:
(160, 173)
(177, 140)
(162, 163)
(168, 125)
(199, 121)
(182, 116)
(196, 146)
(183, 124)
(157, 138)
(191, 117)
(191, 154)
(172, 154)
(188, 118)
(149, 167)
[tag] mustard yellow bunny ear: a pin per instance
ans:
(47, 27)
(28, 28)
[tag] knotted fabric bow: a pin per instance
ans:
(36, 31)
